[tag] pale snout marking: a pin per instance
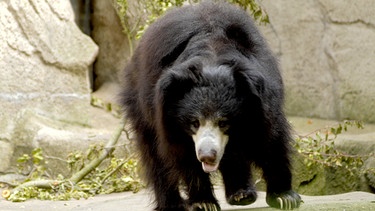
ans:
(210, 144)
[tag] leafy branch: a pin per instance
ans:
(87, 179)
(319, 148)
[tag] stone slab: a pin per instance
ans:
(141, 202)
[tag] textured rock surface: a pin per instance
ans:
(108, 34)
(44, 61)
(114, 52)
(57, 139)
(326, 50)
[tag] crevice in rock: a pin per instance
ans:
(357, 21)
(307, 182)
(343, 22)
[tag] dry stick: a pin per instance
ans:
(117, 168)
(47, 184)
(108, 149)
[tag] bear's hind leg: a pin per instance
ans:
(239, 189)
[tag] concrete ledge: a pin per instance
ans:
(142, 202)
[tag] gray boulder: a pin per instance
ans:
(44, 61)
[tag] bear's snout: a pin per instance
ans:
(210, 144)
(207, 155)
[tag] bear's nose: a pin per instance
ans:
(207, 156)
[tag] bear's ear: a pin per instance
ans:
(175, 83)
(249, 83)
(239, 35)
(171, 86)
(175, 51)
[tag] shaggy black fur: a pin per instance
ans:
(208, 61)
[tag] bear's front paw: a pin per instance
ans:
(205, 207)
(286, 201)
(242, 197)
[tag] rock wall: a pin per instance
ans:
(326, 51)
(108, 33)
(44, 60)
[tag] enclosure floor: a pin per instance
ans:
(141, 201)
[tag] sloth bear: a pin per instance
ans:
(203, 92)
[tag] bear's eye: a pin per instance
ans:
(229, 63)
(195, 124)
(223, 124)
(192, 68)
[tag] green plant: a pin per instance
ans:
(33, 164)
(318, 148)
(117, 176)
(254, 8)
(87, 177)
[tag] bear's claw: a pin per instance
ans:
(285, 201)
(205, 207)
(242, 197)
